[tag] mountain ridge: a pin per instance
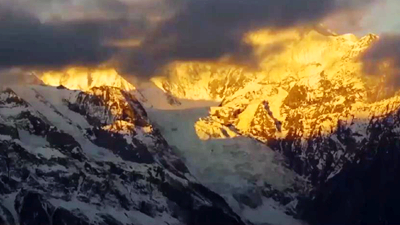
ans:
(70, 160)
(312, 102)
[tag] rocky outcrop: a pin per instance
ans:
(323, 115)
(337, 129)
(365, 191)
(72, 157)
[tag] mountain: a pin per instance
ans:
(363, 189)
(92, 157)
(310, 101)
(285, 58)
(81, 78)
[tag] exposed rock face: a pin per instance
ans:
(202, 81)
(331, 125)
(72, 157)
(328, 121)
(365, 191)
(80, 78)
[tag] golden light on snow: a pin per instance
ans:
(287, 58)
(81, 78)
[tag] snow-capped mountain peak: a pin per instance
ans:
(310, 102)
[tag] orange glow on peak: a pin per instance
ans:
(81, 78)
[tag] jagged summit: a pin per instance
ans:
(79, 78)
(286, 57)
(334, 127)
(310, 101)
(313, 77)
(322, 116)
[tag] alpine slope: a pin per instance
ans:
(308, 138)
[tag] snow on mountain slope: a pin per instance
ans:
(286, 57)
(240, 169)
(153, 97)
(310, 78)
(79, 78)
(303, 90)
(366, 189)
(72, 157)
(309, 101)
(202, 81)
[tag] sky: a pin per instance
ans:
(380, 17)
(141, 36)
(383, 18)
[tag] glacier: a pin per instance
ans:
(231, 167)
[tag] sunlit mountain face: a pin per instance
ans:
(283, 137)
(199, 112)
(81, 78)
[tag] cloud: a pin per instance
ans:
(26, 41)
(140, 36)
(70, 9)
(383, 58)
(210, 29)
(17, 76)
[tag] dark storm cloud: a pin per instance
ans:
(209, 29)
(198, 30)
(385, 49)
(27, 42)
(24, 41)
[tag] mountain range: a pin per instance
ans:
(305, 138)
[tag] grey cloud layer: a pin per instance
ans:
(387, 48)
(209, 29)
(200, 29)
(26, 41)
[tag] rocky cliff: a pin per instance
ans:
(73, 157)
